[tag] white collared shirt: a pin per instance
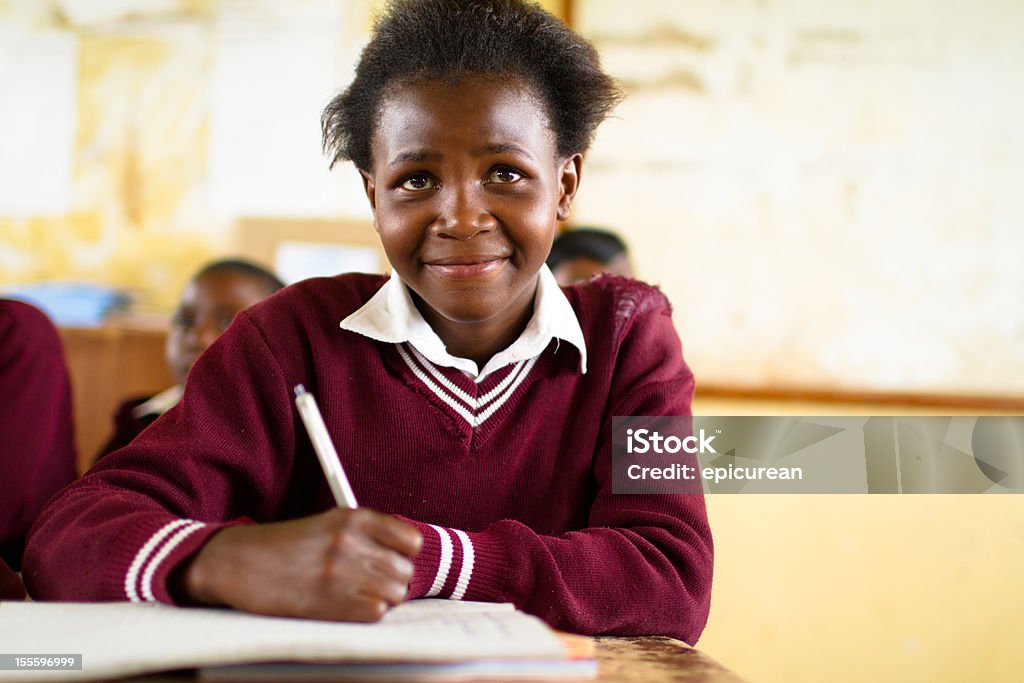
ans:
(159, 404)
(391, 316)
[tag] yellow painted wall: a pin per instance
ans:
(138, 157)
(917, 589)
(144, 211)
(848, 588)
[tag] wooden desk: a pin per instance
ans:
(619, 660)
(660, 660)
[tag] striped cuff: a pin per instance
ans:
(445, 565)
(162, 552)
(138, 581)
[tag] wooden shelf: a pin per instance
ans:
(109, 364)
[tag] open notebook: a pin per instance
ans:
(435, 638)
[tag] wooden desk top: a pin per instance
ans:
(619, 660)
(636, 660)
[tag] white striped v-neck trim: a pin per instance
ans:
(475, 410)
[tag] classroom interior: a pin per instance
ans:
(824, 190)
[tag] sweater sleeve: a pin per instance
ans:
(37, 450)
(224, 451)
(644, 564)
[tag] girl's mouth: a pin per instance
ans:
(467, 268)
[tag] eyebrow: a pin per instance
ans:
(499, 147)
(418, 155)
(414, 156)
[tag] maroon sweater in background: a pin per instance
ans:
(37, 449)
(127, 425)
(518, 508)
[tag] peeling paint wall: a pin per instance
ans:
(135, 154)
(160, 160)
(826, 190)
(180, 117)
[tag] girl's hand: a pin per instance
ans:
(341, 565)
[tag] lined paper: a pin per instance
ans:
(119, 639)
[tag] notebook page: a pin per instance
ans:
(118, 639)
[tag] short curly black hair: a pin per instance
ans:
(595, 244)
(448, 39)
(268, 280)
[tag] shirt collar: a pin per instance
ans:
(159, 404)
(391, 316)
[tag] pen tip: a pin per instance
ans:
(299, 390)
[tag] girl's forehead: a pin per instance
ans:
(472, 109)
(226, 285)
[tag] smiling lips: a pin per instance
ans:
(466, 267)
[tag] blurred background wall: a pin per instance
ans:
(145, 129)
(824, 188)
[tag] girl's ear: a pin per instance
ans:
(569, 182)
(370, 189)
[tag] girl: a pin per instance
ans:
(211, 300)
(470, 399)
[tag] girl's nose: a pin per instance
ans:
(204, 334)
(464, 217)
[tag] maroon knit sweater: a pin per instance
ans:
(37, 448)
(518, 508)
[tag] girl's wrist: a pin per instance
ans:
(197, 582)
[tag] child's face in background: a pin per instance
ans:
(205, 310)
(466, 189)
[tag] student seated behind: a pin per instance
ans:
(212, 298)
(470, 399)
(581, 253)
(37, 443)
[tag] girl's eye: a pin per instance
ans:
(183, 322)
(418, 183)
(504, 175)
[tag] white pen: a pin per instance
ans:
(324, 448)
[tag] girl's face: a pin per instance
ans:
(206, 308)
(466, 190)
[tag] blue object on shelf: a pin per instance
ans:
(71, 304)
